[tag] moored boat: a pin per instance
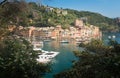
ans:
(46, 56)
(64, 41)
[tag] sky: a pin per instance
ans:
(109, 8)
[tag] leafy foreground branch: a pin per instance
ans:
(18, 60)
(95, 64)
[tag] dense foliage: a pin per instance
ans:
(95, 64)
(17, 58)
(13, 12)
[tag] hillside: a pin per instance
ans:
(49, 16)
(42, 16)
(105, 23)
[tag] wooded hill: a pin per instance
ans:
(36, 15)
(49, 16)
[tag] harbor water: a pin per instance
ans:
(63, 61)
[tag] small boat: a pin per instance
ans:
(109, 37)
(47, 40)
(113, 36)
(64, 41)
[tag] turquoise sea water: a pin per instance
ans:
(63, 61)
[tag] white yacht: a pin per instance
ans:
(46, 56)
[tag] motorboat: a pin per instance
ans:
(64, 41)
(46, 56)
(113, 36)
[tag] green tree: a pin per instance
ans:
(18, 60)
(12, 12)
(95, 64)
